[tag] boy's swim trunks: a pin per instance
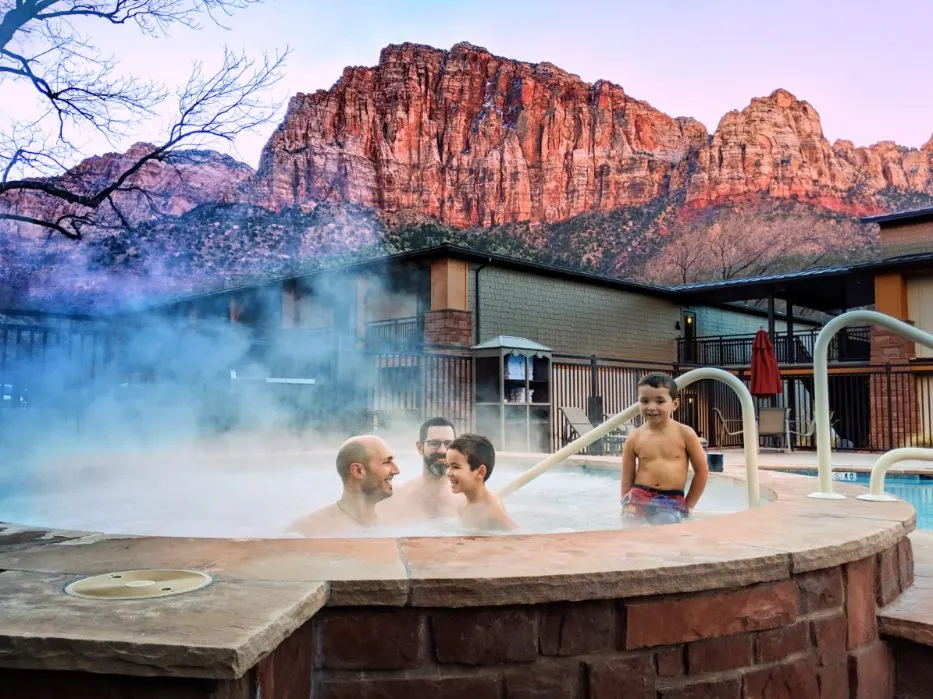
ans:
(656, 506)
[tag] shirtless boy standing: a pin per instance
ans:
(656, 456)
(470, 460)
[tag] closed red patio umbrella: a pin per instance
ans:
(765, 377)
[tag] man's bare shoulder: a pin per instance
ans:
(321, 521)
(402, 494)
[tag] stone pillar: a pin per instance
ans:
(448, 376)
(890, 299)
(449, 322)
(448, 327)
(895, 411)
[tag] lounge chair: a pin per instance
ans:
(581, 424)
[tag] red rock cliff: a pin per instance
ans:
(475, 139)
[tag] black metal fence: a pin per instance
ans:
(42, 364)
(411, 387)
(848, 345)
(872, 408)
(299, 379)
(397, 335)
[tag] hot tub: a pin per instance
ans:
(780, 599)
(258, 494)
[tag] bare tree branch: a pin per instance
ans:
(73, 231)
(41, 47)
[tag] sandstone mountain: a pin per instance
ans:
(526, 159)
(472, 139)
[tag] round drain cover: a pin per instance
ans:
(138, 584)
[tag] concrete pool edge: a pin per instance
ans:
(788, 537)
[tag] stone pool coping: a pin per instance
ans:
(910, 616)
(265, 589)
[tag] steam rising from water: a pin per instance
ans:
(235, 494)
(135, 385)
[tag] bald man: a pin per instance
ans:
(366, 466)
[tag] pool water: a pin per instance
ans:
(241, 498)
(915, 489)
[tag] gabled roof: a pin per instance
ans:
(764, 279)
(511, 342)
(445, 250)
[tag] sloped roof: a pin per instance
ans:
(511, 342)
(916, 215)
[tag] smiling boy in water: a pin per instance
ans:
(656, 456)
(470, 460)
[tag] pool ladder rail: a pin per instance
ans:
(821, 406)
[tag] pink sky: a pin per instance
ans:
(864, 66)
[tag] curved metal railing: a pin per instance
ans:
(821, 388)
(749, 427)
(883, 464)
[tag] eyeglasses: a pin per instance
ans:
(438, 443)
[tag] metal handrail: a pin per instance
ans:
(821, 386)
(750, 431)
(735, 350)
(883, 464)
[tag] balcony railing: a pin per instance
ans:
(850, 345)
(396, 335)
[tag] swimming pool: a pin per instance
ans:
(915, 489)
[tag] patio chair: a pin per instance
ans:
(773, 422)
(724, 427)
(811, 428)
(581, 425)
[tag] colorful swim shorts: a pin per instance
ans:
(654, 505)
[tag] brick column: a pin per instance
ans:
(448, 371)
(897, 389)
(890, 348)
(448, 327)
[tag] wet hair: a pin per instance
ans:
(658, 380)
(478, 452)
(353, 451)
(434, 422)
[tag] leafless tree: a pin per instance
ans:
(746, 241)
(43, 47)
(686, 256)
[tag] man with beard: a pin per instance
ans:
(366, 466)
(428, 496)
